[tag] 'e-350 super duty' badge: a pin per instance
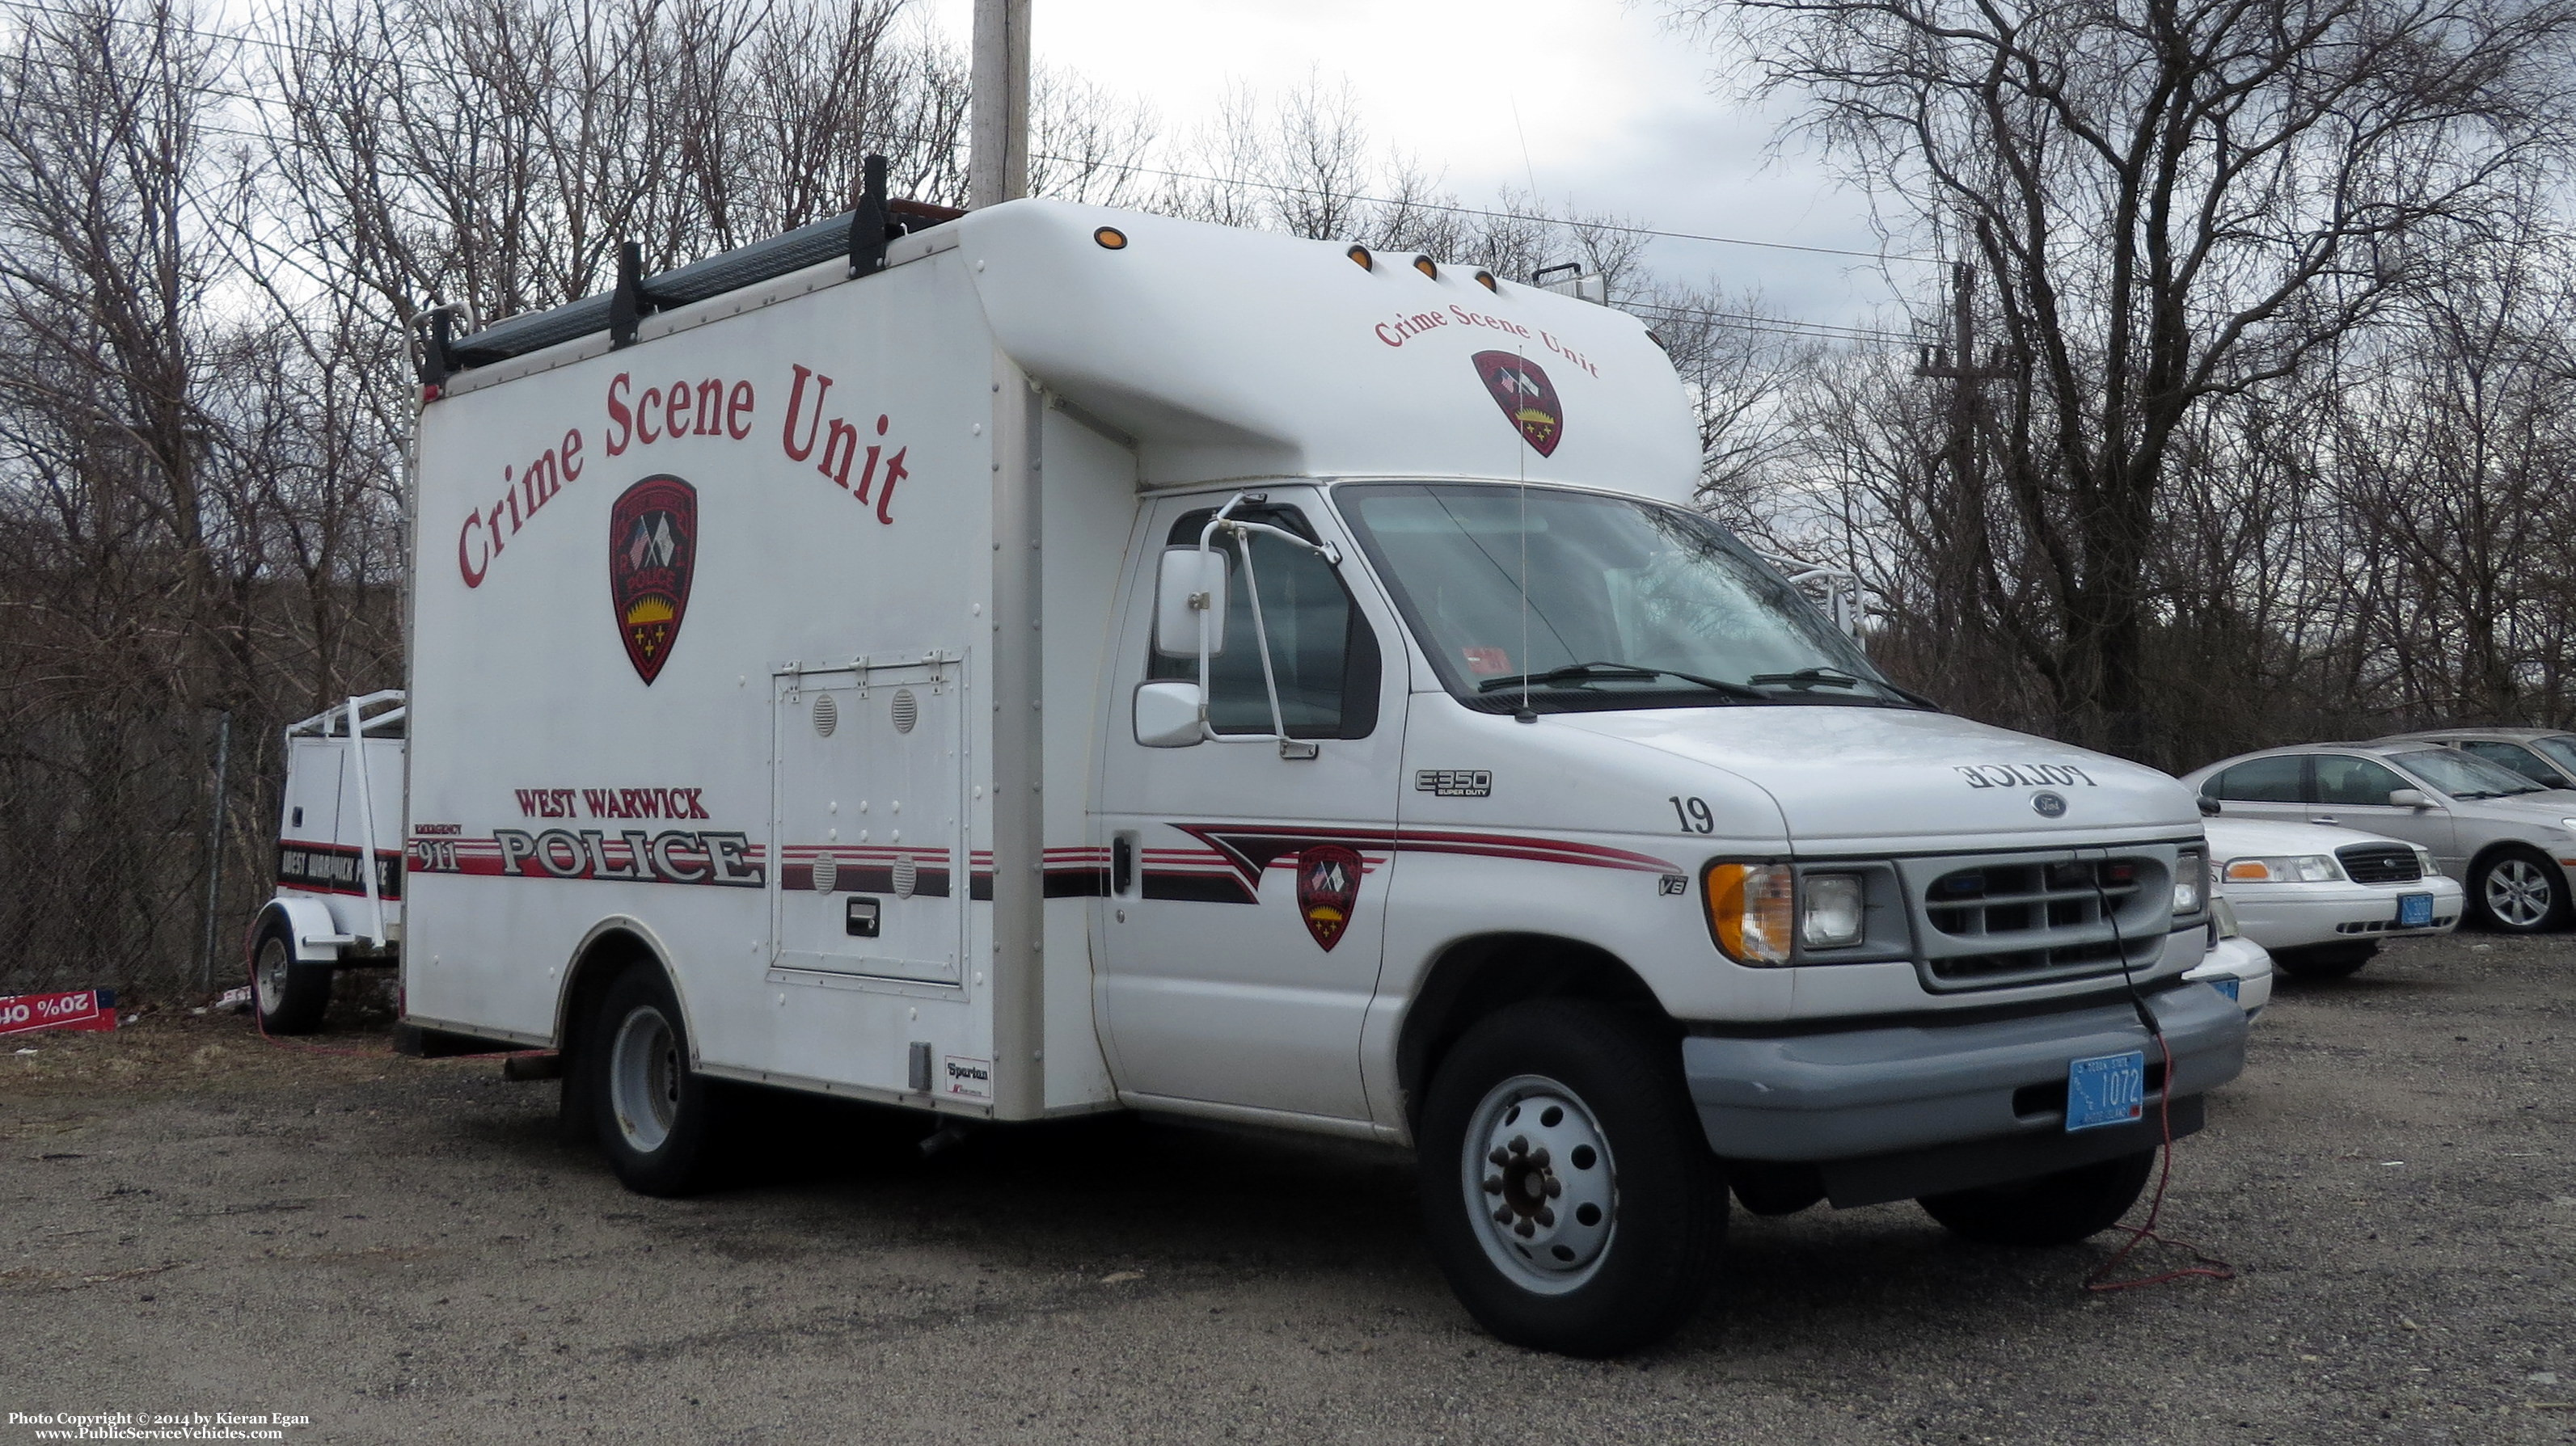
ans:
(652, 553)
(1525, 395)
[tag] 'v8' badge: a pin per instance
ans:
(1328, 885)
(652, 554)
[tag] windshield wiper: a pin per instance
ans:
(1806, 678)
(1583, 672)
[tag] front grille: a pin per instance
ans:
(2020, 919)
(2380, 863)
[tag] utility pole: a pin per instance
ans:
(997, 161)
(1957, 364)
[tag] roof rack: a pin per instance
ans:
(860, 234)
(380, 715)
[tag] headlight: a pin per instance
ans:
(2302, 869)
(1749, 911)
(2191, 882)
(1829, 911)
(2568, 824)
(2223, 914)
(2424, 861)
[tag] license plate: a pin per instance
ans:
(2226, 985)
(2414, 911)
(2108, 1089)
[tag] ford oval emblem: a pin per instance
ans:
(2049, 805)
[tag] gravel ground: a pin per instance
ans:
(399, 1250)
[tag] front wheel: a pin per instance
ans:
(290, 995)
(1568, 1193)
(658, 1119)
(2520, 893)
(2057, 1209)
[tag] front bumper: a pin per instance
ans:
(1910, 1109)
(2244, 961)
(2294, 916)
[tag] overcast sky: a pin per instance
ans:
(1595, 103)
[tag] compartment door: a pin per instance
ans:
(868, 786)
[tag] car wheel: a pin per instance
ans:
(290, 995)
(1568, 1192)
(659, 1121)
(2520, 893)
(2057, 1209)
(2324, 961)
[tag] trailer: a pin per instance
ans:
(1051, 659)
(339, 884)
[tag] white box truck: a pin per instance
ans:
(1057, 660)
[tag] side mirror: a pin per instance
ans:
(2408, 798)
(1168, 715)
(2208, 806)
(1190, 586)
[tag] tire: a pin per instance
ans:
(2519, 892)
(660, 1122)
(2324, 961)
(290, 996)
(2057, 1209)
(1558, 1104)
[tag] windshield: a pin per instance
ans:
(1630, 604)
(2461, 775)
(2558, 748)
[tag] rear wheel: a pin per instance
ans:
(2057, 1209)
(658, 1119)
(2324, 961)
(2520, 893)
(290, 995)
(1568, 1193)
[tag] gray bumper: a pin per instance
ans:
(1915, 1091)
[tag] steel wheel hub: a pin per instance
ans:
(1539, 1184)
(269, 977)
(2517, 893)
(644, 1075)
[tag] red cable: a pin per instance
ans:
(2209, 1266)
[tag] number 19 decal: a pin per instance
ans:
(1694, 814)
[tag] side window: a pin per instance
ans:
(2264, 780)
(2515, 757)
(1322, 651)
(2342, 779)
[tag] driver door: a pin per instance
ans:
(1246, 915)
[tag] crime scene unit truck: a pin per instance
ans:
(1050, 659)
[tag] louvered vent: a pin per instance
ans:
(827, 714)
(907, 710)
(905, 876)
(827, 872)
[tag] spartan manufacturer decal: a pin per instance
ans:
(1525, 395)
(1328, 884)
(652, 553)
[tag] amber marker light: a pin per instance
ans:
(1361, 255)
(1110, 238)
(1749, 911)
(1427, 267)
(1485, 279)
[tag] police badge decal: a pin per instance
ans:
(1526, 396)
(652, 553)
(1328, 884)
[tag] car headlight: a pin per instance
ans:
(2424, 864)
(1830, 910)
(2191, 883)
(2223, 915)
(1749, 911)
(2568, 824)
(2299, 869)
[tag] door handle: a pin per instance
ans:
(2321, 818)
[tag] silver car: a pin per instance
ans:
(2511, 842)
(2546, 756)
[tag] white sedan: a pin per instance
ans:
(2321, 899)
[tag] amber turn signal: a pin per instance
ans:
(1749, 911)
